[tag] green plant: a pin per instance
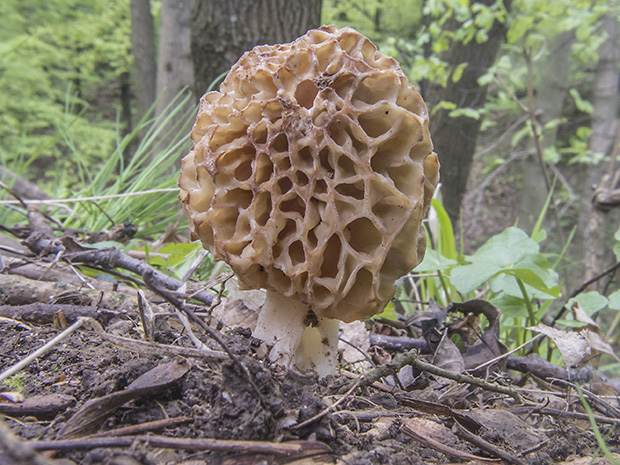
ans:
(143, 189)
(15, 382)
(509, 270)
(597, 433)
(49, 49)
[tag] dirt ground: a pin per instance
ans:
(87, 389)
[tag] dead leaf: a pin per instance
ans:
(512, 430)
(13, 397)
(572, 346)
(358, 341)
(438, 437)
(598, 344)
(487, 346)
(448, 356)
(93, 413)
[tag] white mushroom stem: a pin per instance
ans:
(282, 324)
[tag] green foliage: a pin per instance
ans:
(597, 433)
(502, 261)
(181, 256)
(123, 186)
(141, 189)
(510, 270)
(54, 57)
(383, 21)
(15, 382)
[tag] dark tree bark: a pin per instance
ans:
(455, 138)
(222, 30)
(126, 102)
(143, 46)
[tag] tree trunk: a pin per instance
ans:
(143, 47)
(455, 138)
(222, 30)
(604, 127)
(552, 90)
(174, 64)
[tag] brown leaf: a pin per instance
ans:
(437, 437)
(572, 346)
(93, 413)
(488, 345)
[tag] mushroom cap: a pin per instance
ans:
(311, 171)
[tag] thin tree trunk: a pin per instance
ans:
(604, 126)
(222, 30)
(174, 65)
(126, 102)
(455, 138)
(143, 46)
(552, 90)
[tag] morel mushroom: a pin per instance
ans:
(311, 171)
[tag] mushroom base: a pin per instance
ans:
(282, 324)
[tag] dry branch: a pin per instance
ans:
(108, 259)
(17, 452)
(297, 449)
(411, 358)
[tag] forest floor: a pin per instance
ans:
(170, 377)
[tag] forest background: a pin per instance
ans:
(96, 99)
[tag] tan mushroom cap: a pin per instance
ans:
(311, 171)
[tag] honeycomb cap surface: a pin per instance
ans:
(311, 171)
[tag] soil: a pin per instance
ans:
(214, 399)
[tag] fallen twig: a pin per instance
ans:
(44, 313)
(144, 427)
(296, 449)
(486, 446)
(18, 452)
(411, 358)
(42, 350)
(181, 305)
(553, 412)
(154, 348)
(444, 449)
(108, 259)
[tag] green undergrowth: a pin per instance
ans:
(512, 271)
(135, 183)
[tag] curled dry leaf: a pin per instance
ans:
(573, 346)
(592, 332)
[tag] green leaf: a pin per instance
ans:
(510, 306)
(389, 313)
(580, 103)
(506, 248)
(591, 302)
(507, 283)
(458, 72)
(446, 243)
(617, 244)
(503, 258)
(519, 27)
(467, 112)
(434, 261)
(614, 300)
(466, 278)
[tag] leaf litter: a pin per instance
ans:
(106, 394)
